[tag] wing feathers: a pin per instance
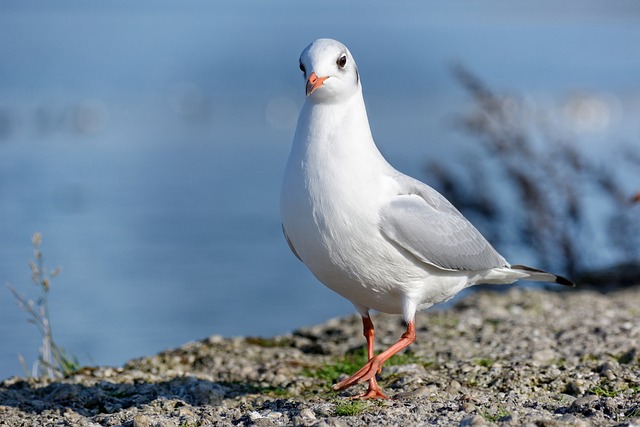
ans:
(426, 225)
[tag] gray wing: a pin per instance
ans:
(430, 228)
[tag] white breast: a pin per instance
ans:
(334, 186)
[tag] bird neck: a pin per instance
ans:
(339, 130)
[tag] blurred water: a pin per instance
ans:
(147, 141)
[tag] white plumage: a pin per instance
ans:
(379, 238)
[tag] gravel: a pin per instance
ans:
(520, 357)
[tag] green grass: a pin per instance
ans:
(495, 416)
(586, 358)
(351, 362)
(483, 361)
(348, 408)
(633, 413)
(329, 372)
(605, 391)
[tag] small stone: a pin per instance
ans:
(280, 379)
(420, 391)
(299, 421)
(545, 355)
(474, 421)
(564, 398)
(324, 410)
(573, 420)
(264, 422)
(200, 392)
(627, 357)
(254, 415)
(548, 422)
(468, 407)
(308, 414)
(606, 366)
(626, 326)
(575, 387)
(453, 387)
(141, 420)
(185, 411)
(583, 403)
(411, 368)
(607, 370)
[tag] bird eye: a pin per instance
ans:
(342, 61)
(304, 70)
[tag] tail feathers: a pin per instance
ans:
(542, 276)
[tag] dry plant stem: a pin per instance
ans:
(39, 318)
(52, 360)
(39, 278)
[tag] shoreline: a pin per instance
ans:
(520, 357)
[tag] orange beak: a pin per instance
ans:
(314, 83)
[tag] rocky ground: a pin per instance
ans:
(522, 357)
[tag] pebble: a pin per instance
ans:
(308, 414)
(420, 391)
(544, 355)
(607, 370)
(474, 421)
(453, 387)
(583, 403)
(141, 420)
(468, 407)
(254, 415)
(575, 387)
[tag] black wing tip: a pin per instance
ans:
(558, 279)
(564, 281)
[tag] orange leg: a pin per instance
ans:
(367, 326)
(374, 365)
(374, 391)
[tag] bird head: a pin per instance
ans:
(330, 71)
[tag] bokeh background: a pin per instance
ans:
(146, 141)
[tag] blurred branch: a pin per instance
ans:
(550, 185)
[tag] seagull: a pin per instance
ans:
(381, 239)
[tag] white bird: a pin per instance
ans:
(379, 238)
